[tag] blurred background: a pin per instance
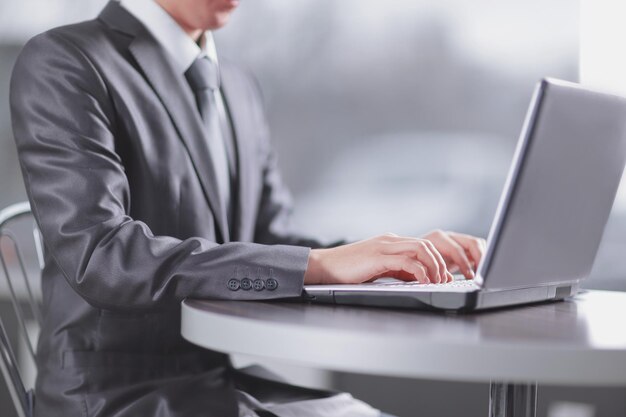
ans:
(387, 116)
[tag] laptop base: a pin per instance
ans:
(444, 301)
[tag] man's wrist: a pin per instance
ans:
(313, 274)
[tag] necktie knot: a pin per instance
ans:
(203, 74)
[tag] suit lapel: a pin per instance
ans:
(178, 100)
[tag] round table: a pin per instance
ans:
(579, 341)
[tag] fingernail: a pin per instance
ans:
(471, 273)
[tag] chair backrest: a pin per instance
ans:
(12, 259)
(22, 399)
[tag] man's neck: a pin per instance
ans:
(170, 8)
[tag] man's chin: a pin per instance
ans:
(219, 20)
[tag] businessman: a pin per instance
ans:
(149, 169)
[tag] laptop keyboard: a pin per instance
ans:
(459, 284)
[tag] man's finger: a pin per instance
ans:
(443, 269)
(420, 250)
(470, 244)
(457, 253)
(406, 264)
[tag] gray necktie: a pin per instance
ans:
(203, 77)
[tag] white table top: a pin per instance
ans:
(581, 341)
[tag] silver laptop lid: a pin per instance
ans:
(560, 188)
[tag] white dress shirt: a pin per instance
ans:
(182, 48)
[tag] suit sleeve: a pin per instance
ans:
(275, 206)
(64, 126)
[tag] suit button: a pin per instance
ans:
(271, 284)
(258, 284)
(233, 284)
(246, 284)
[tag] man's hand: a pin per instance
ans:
(424, 260)
(462, 253)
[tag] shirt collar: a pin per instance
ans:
(180, 46)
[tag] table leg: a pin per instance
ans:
(512, 400)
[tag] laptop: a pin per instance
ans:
(551, 216)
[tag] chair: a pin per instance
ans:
(11, 258)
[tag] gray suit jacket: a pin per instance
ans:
(111, 147)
